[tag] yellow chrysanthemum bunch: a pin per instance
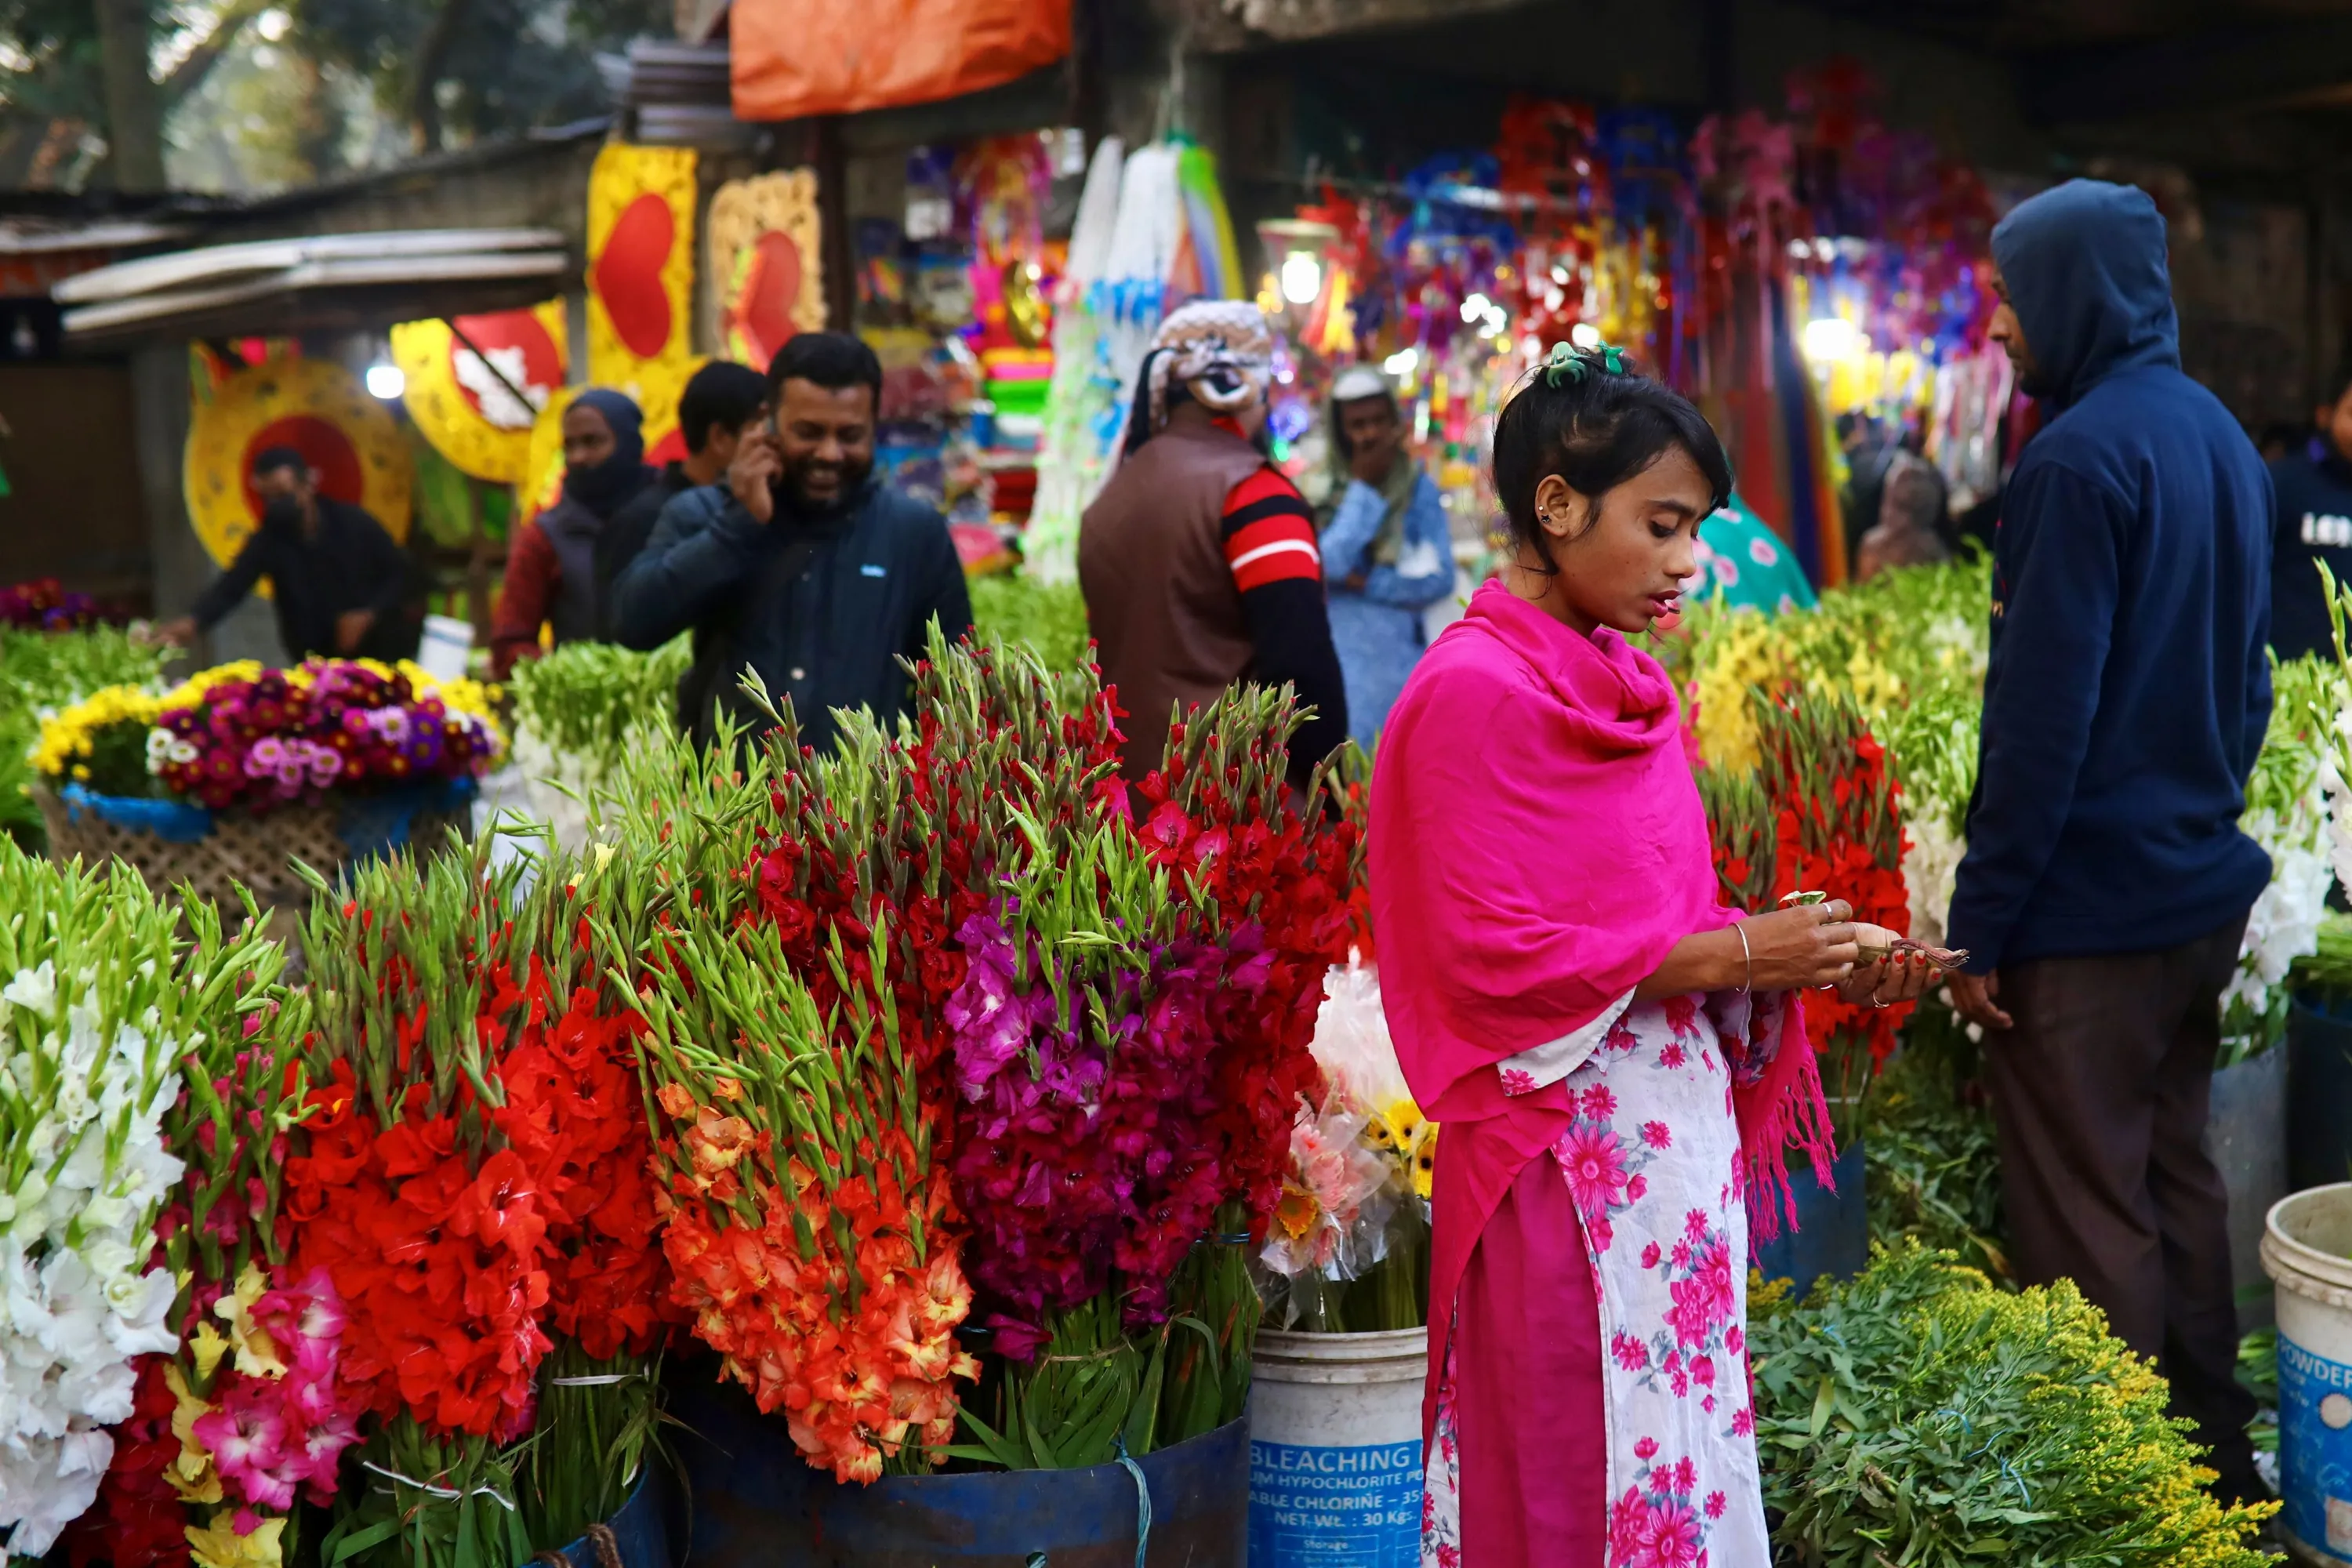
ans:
(69, 736)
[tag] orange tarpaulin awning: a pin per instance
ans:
(797, 57)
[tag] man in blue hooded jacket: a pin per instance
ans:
(2107, 885)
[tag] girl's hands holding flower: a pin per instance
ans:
(1894, 975)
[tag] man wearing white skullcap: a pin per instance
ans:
(1198, 560)
(1388, 553)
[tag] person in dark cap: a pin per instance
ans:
(551, 566)
(2107, 887)
(804, 566)
(338, 584)
(1388, 553)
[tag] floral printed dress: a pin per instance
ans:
(1652, 1164)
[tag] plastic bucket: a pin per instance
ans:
(640, 1531)
(1832, 1235)
(442, 646)
(1335, 1449)
(2307, 1247)
(758, 1504)
(2245, 1135)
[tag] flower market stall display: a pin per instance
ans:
(124, 1051)
(240, 1414)
(578, 711)
(1919, 1416)
(1024, 1071)
(237, 772)
(44, 606)
(43, 671)
(473, 1176)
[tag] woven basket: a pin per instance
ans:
(258, 853)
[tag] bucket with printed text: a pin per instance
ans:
(2307, 1249)
(1335, 1449)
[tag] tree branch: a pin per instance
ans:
(190, 73)
(432, 52)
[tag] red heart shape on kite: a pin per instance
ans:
(628, 275)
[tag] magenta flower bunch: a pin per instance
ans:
(268, 738)
(1088, 1152)
(43, 605)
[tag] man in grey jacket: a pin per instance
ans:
(801, 564)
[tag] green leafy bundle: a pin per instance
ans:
(1935, 1172)
(46, 670)
(1919, 1416)
(1048, 618)
(591, 701)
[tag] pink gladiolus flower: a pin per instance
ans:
(247, 1437)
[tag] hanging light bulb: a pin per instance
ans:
(386, 382)
(1302, 277)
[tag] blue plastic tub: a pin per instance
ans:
(756, 1503)
(641, 1530)
(1831, 1236)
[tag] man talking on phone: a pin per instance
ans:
(801, 563)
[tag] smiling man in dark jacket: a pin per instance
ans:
(2107, 885)
(801, 564)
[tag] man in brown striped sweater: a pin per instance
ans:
(1198, 560)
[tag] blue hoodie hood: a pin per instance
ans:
(2086, 274)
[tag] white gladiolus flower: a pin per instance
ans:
(1931, 868)
(82, 1131)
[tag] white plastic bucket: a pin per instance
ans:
(443, 647)
(2307, 1250)
(1335, 1449)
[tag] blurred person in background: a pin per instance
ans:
(341, 586)
(723, 404)
(1913, 527)
(804, 566)
(550, 578)
(2312, 523)
(1388, 553)
(1198, 559)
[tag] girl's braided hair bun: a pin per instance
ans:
(1587, 416)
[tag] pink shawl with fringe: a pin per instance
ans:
(1538, 846)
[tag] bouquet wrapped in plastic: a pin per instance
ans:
(1348, 1251)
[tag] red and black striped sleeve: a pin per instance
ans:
(1269, 538)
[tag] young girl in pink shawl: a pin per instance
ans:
(1618, 1059)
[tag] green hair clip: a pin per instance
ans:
(1567, 360)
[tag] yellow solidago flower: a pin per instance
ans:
(219, 1545)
